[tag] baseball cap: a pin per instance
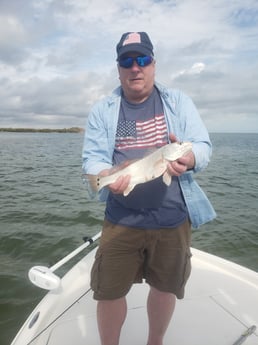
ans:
(138, 42)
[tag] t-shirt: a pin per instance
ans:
(141, 129)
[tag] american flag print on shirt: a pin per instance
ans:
(141, 134)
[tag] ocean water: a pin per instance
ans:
(45, 210)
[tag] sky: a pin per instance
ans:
(58, 57)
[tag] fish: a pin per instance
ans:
(145, 169)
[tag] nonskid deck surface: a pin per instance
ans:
(220, 304)
(207, 323)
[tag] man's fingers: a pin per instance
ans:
(120, 185)
(172, 138)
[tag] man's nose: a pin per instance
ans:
(135, 66)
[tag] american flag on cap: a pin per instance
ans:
(138, 42)
(133, 37)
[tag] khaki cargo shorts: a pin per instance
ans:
(128, 255)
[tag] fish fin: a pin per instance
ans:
(129, 189)
(167, 178)
(92, 181)
(121, 166)
(159, 167)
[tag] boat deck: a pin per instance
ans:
(221, 303)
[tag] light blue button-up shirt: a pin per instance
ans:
(182, 119)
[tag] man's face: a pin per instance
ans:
(137, 82)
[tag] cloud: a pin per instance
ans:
(196, 68)
(58, 57)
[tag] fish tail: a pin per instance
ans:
(92, 182)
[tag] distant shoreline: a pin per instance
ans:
(44, 130)
(81, 130)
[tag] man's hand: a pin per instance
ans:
(181, 165)
(120, 185)
(122, 182)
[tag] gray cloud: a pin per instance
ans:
(57, 58)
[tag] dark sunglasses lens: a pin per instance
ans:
(126, 62)
(142, 61)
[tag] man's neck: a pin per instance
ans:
(136, 98)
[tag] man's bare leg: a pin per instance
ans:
(111, 315)
(160, 307)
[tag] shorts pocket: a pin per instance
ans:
(95, 272)
(187, 267)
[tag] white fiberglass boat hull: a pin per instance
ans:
(221, 303)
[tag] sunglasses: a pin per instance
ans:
(142, 61)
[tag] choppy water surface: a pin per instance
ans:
(45, 212)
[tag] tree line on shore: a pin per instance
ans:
(44, 130)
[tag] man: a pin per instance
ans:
(147, 234)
